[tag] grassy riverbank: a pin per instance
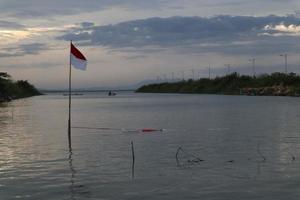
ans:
(277, 84)
(10, 89)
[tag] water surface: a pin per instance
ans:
(248, 146)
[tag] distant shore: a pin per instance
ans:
(276, 84)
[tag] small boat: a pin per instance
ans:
(110, 93)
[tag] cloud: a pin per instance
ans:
(282, 30)
(45, 8)
(23, 49)
(10, 25)
(87, 24)
(224, 34)
(14, 33)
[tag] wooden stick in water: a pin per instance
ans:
(133, 159)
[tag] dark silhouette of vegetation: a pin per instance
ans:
(279, 84)
(10, 89)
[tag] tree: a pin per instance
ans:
(4, 75)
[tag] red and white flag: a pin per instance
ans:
(77, 58)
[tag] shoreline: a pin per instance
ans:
(260, 91)
(225, 94)
(6, 99)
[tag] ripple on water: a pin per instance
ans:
(224, 131)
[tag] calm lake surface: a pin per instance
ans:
(233, 147)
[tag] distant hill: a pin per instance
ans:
(125, 87)
(131, 87)
(10, 89)
(278, 84)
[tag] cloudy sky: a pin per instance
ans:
(128, 41)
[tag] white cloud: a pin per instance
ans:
(282, 30)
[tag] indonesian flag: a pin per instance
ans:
(77, 58)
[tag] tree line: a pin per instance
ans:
(265, 84)
(10, 89)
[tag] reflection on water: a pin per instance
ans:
(73, 172)
(234, 147)
(77, 191)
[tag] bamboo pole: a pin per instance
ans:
(70, 89)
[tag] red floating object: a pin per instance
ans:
(150, 130)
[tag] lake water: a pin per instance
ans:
(232, 147)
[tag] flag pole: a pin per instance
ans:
(69, 121)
